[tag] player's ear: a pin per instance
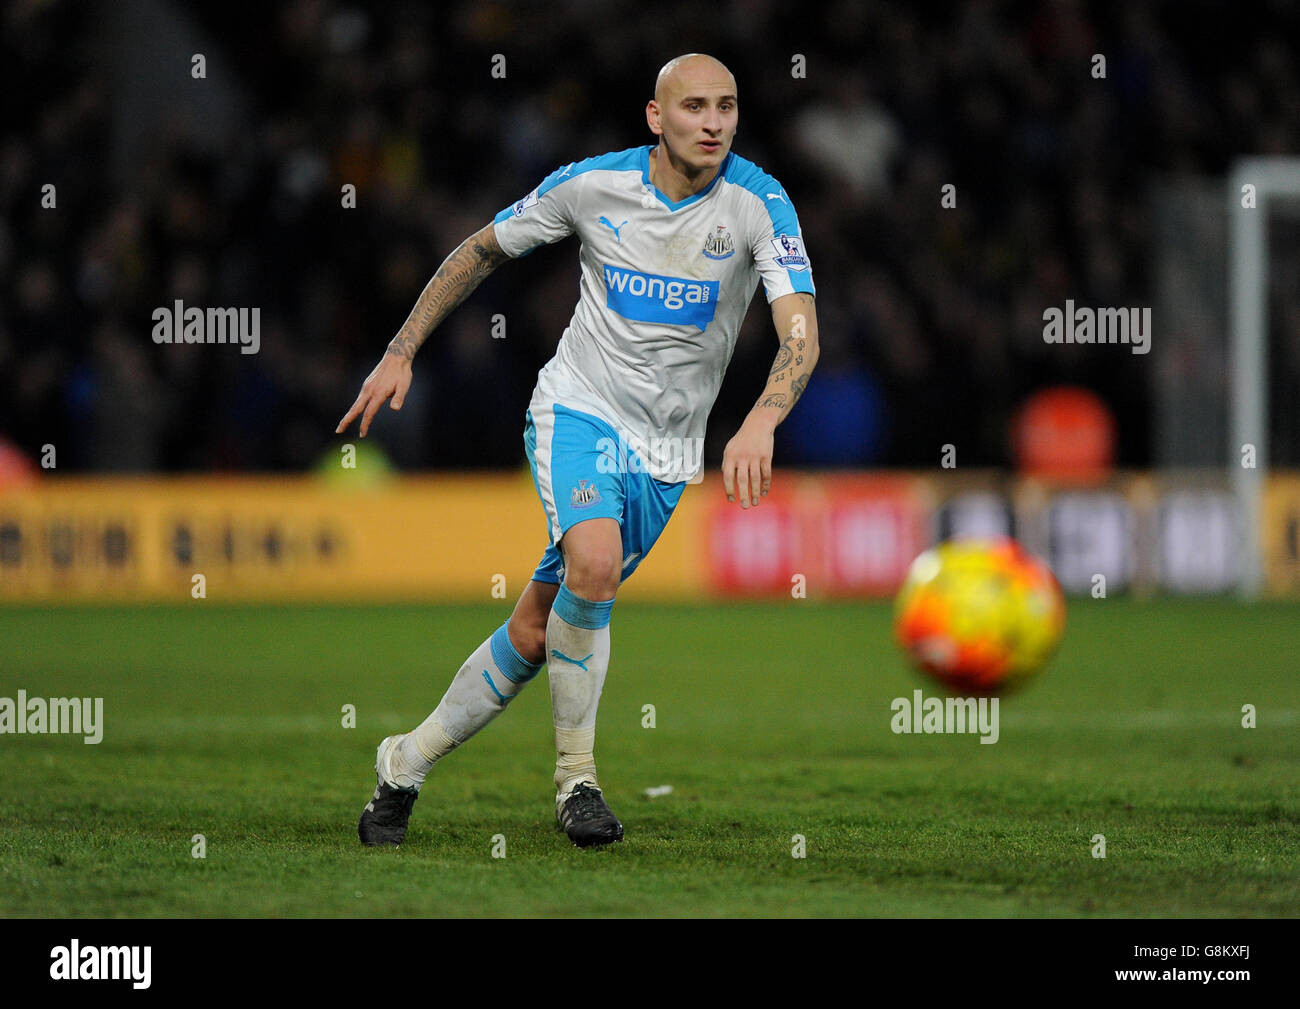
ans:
(652, 117)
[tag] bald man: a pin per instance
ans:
(675, 239)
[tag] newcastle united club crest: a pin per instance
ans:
(720, 244)
(584, 494)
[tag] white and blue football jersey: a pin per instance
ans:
(664, 289)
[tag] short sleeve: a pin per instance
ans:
(543, 216)
(777, 245)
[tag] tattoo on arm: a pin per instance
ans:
(783, 358)
(456, 278)
(403, 346)
(790, 367)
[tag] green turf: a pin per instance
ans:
(772, 720)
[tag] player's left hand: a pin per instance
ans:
(747, 464)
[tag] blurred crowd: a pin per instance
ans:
(931, 316)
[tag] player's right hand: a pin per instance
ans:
(391, 377)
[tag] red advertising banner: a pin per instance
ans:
(825, 535)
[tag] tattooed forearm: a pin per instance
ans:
(795, 360)
(783, 358)
(790, 354)
(798, 386)
(460, 273)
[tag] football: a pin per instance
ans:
(983, 616)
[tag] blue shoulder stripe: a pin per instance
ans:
(616, 161)
(744, 173)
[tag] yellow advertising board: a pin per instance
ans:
(1280, 537)
(436, 537)
(478, 537)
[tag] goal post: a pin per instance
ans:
(1248, 262)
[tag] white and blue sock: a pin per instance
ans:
(480, 691)
(577, 647)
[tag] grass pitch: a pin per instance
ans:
(771, 720)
